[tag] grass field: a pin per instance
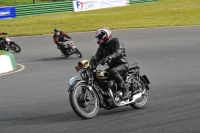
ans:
(2, 52)
(160, 13)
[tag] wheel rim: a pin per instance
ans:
(143, 99)
(14, 47)
(86, 106)
(78, 53)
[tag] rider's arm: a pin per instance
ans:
(66, 35)
(55, 38)
(99, 55)
(119, 50)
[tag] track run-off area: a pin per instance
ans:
(36, 99)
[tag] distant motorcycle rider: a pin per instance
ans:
(1, 40)
(112, 52)
(60, 37)
(2, 33)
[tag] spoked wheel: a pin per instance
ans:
(15, 47)
(84, 102)
(78, 53)
(143, 100)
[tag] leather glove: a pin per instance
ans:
(105, 61)
(93, 61)
(93, 58)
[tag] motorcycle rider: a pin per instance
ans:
(2, 33)
(59, 37)
(1, 40)
(111, 51)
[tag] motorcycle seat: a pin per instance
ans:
(133, 67)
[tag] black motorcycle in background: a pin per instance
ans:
(95, 89)
(7, 44)
(69, 49)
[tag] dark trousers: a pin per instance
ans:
(118, 71)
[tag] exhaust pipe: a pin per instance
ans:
(134, 99)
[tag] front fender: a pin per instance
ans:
(12, 42)
(71, 88)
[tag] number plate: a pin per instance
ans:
(72, 80)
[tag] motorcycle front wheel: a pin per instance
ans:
(15, 47)
(78, 53)
(84, 102)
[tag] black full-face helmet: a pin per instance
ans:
(57, 31)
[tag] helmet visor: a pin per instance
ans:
(98, 40)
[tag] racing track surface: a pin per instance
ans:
(36, 99)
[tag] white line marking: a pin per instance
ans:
(22, 68)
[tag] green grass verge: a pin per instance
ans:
(154, 14)
(2, 52)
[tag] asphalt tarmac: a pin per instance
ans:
(36, 99)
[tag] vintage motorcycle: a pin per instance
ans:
(6, 44)
(95, 89)
(69, 49)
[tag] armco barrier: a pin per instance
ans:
(7, 62)
(139, 1)
(36, 9)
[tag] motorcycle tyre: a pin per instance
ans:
(141, 103)
(13, 46)
(74, 104)
(78, 53)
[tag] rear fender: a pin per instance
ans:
(145, 80)
(12, 42)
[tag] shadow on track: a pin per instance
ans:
(65, 117)
(44, 119)
(114, 111)
(51, 59)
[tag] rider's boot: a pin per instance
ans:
(125, 91)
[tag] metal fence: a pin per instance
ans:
(35, 9)
(139, 1)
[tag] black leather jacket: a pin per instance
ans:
(113, 49)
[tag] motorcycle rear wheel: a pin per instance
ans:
(143, 100)
(15, 47)
(87, 106)
(78, 53)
